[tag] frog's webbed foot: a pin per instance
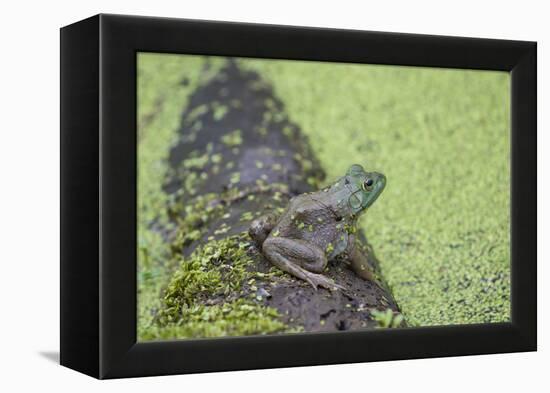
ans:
(318, 280)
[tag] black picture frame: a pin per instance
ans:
(98, 195)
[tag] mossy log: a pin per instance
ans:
(239, 156)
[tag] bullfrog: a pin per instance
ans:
(320, 226)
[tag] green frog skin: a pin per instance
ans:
(318, 227)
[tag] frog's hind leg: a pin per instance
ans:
(302, 259)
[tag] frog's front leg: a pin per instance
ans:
(358, 260)
(299, 258)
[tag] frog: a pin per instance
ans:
(320, 226)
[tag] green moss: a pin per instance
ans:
(202, 273)
(441, 136)
(191, 219)
(238, 318)
(216, 270)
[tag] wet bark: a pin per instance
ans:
(238, 147)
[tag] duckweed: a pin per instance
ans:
(233, 138)
(387, 318)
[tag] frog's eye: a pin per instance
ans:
(367, 184)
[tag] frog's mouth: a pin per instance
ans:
(382, 182)
(380, 185)
(356, 201)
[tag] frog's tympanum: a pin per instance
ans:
(320, 226)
